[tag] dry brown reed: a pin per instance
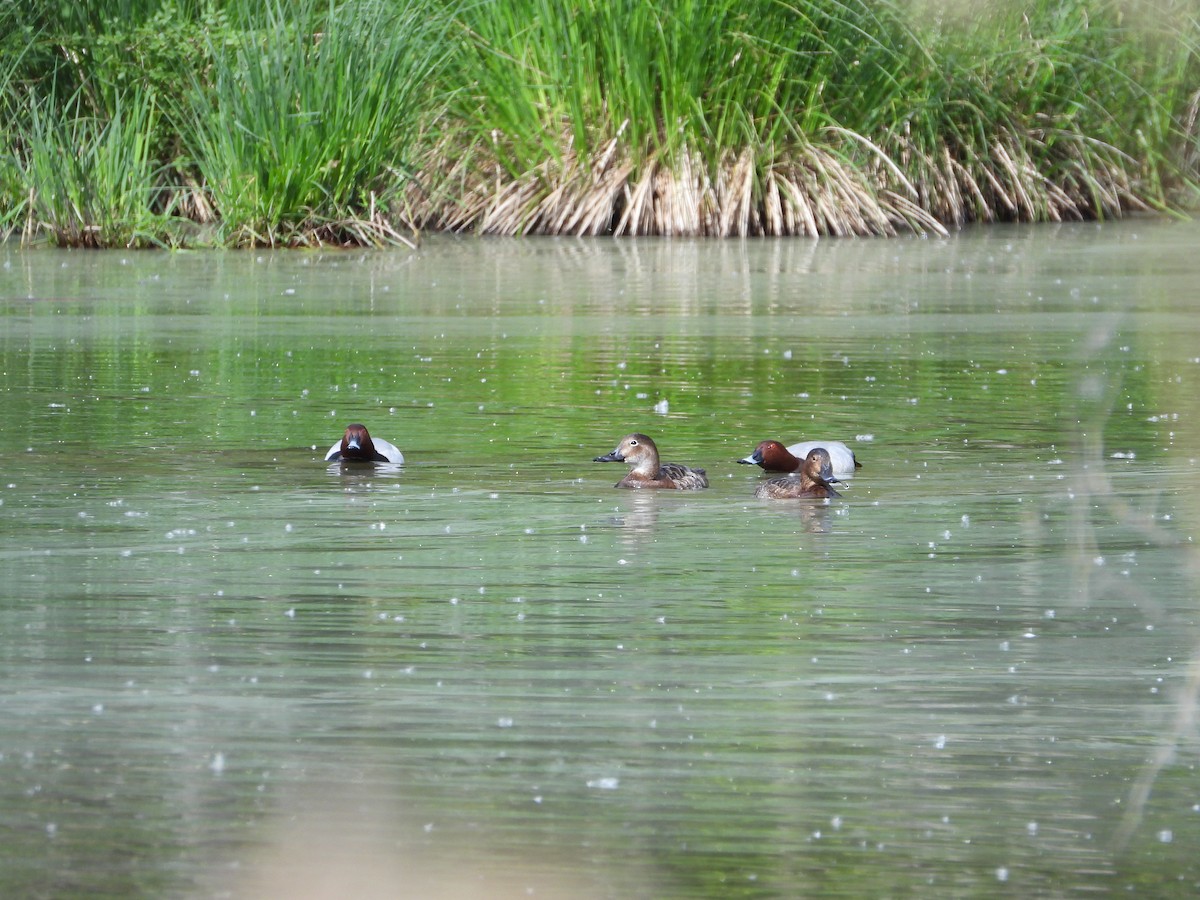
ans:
(846, 187)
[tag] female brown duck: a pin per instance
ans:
(639, 451)
(815, 480)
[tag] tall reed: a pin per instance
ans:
(769, 117)
(92, 182)
(355, 121)
(302, 131)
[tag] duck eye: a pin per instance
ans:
(632, 443)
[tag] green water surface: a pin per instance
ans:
(232, 670)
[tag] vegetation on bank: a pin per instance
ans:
(175, 122)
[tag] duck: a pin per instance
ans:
(641, 453)
(357, 445)
(774, 457)
(815, 480)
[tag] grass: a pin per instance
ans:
(815, 118)
(362, 122)
(300, 132)
(97, 183)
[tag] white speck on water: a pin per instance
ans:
(1031, 829)
(787, 354)
(288, 528)
(1049, 614)
(604, 784)
(217, 764)
(622, 562)
(939, 742)
(504, 722)
(97, 708)
(662, 407)
(1002, 874)
(291, 613)
(51, 829)
(454, 601)
(1166, 836)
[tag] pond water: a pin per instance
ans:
(232, 670)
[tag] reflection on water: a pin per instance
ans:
(235, 670)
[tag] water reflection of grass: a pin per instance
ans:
(1105, 518)
(310, 122)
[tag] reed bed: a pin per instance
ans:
(143, 122)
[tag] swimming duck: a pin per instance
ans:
(774, 457)
(815, 480)
(356, 446)
(640, 452)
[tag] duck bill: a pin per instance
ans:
(610, 457)
(754, 459)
